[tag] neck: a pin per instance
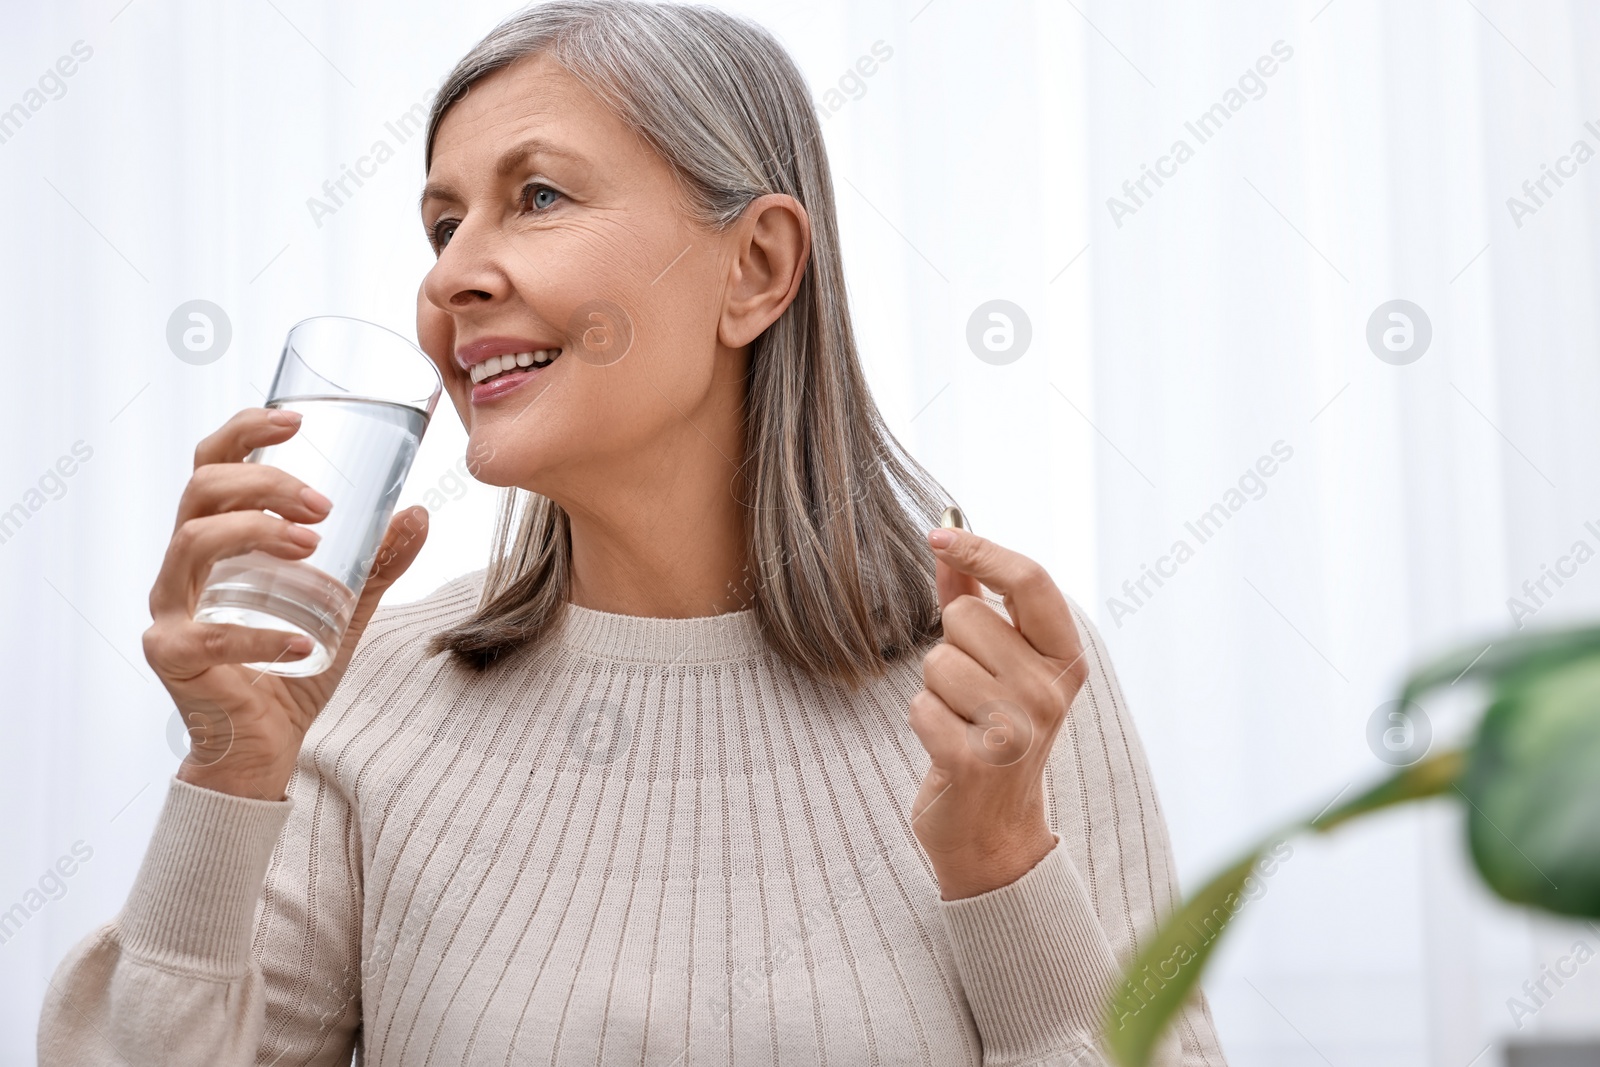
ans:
(666, 558)
(666, 536)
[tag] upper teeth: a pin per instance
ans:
(511, 360)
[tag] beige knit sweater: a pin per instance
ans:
(639, 841)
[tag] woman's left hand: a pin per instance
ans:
(994, 696)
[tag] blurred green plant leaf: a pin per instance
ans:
(1166, 970)
(1531, 778)
(1155, 985)
(1505, 659)
(1424, 778)
(1533, 785)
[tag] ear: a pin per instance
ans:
(772, 244)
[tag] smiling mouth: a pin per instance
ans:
(496, 366)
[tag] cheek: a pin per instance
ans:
(634, 326)
(595, 416)
(433, 329)
(436, 338)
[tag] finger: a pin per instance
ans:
(976, 628)
(407, 532)
(942, 732)
(178, 651)
(247, 431)
(220, 487)
(1000, 730)
(402, 541)
(959, 680)
(999, 735)
(1036, 606)
(951, 583)
(199, 543)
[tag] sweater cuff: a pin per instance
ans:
(192, 905)
(1035, 965)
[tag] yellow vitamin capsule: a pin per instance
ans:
(952, 519)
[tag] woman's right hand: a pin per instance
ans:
(245, 725)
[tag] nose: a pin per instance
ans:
(467, 273)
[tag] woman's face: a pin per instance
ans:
(556, 227)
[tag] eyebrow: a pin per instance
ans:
(513, 158)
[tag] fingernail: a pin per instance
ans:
(315, 500)
(281, 417)
(300, 644)
(302, 536)
(941, 538)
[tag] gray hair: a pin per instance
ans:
(838, 568)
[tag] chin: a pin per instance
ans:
(486, 462)
(498, 472)
(493, 462)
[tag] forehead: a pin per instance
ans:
(533, 96)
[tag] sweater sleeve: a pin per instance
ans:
(1039, 957)
(239, 942)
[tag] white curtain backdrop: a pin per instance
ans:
(1182, 342)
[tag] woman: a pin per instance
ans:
(726, 755)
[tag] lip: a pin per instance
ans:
(484, 347)
(495, 388)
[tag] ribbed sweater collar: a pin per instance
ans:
(730, 637)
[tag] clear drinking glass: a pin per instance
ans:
(365, 395)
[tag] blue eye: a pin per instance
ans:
(536, 196)
(532, 194)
